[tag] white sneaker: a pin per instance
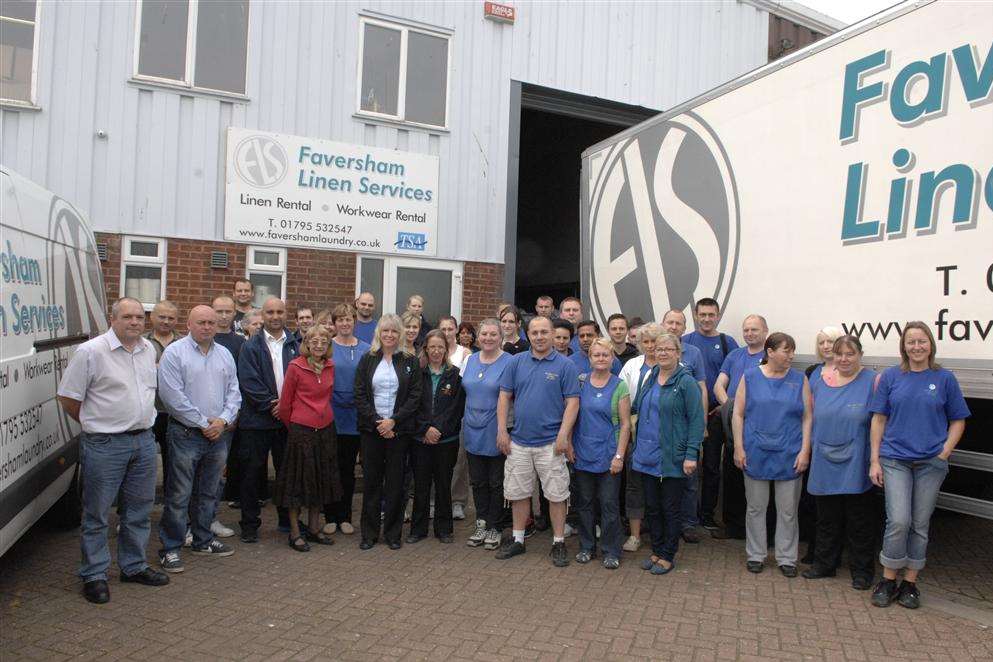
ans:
(219, 530)
(330, 528)
(492, 539)
(188, 540)
(570, 531)
(347, 528)
(632, 544)
(479, 535)
(458, 511)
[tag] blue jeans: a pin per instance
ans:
(123, 467)
(911, 488)
(195, 467)
(605, 489)
(662, 502)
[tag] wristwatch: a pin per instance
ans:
(618, 457)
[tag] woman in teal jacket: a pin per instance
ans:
(667, 443)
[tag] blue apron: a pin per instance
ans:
(346, 360)
(595, 440)
(773, 424)
(839, 463)
(647, 455)
(482, 391)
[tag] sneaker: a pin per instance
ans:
(458, 511)
(219, 530)
(478, 536)
(611, 563)
(908, 596)
(559, 554)
(188, 539)
(583, 556)
(510, 549)
(884, 593)
(710, 525)
(492, 540)
(632, 544)
(234, 505)
(213, 548)
(330, 528)
(788, 570)
(170, 562)
(570, 530)
(346, 528)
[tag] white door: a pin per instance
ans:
(393, 279)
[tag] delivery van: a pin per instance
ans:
(849, 184)
(51, 300)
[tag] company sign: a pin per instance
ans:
(497, 12)
(312, 193)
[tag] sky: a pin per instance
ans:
(849, 11)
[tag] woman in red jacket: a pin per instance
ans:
(308, 476)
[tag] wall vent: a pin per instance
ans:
(218, 260)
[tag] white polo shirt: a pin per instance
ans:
(116, 387)
(275, 346)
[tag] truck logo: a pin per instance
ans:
(664, 221)
(260, 161)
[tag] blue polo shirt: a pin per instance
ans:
(540, 387)
(735, 365)
(582, 362)
(713, 355)
(574, 344)
(693, 360)
(364, 331)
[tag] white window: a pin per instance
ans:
(403, 72)
(393, 279)
(18, 50)
(266, 269)
(191, 43)
(143, 269)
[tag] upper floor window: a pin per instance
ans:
(404, 73)
(193, 43)
(18, 25)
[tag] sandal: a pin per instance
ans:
(298, 544)
(320, 538)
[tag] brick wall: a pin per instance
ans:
(314, 277)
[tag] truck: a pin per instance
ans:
(51, 300)
(847, 184)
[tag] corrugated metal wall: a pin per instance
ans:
(159, 171)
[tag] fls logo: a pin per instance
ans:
(663, 222)
(260, 161)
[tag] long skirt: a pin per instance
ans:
(308, 477)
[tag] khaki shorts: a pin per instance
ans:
(524, 462)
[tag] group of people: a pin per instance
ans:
(577, 432)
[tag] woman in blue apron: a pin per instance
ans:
(839, 465)
(667, 445)
(481, 382)
(599, 443)
(772, 421)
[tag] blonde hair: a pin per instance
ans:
(387, 321)
(831, 333)
(650, 331)
(316, 330)
(674, 339)
(602, 343)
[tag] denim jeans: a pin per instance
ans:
(603, 489)
(911, 488)
(196, 464)
(663, 498)
(121, 466)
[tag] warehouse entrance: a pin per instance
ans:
(553, 129)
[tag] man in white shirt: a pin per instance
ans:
(109, 387)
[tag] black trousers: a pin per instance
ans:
(159, 431)
(348, 451)
(434, 465)
(663, 501)
(486, 478)
(713, 447)
(733, 504)
(383, 490)
(851, 516)
(254, 447)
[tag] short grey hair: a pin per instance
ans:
(115, 308)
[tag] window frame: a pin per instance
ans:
(32, 102)
(187, 84)
(405, 27)
(390, 265)
(267, 269)
(127, 259)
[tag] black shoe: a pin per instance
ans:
(908, 595)
(446, 538)
(884, 593)
(412, 539)
(755, 567)
(148, 577)
(813, 572)
(788, 570)
(691, 536)
(541, 524)
(509, 549)
(367, 544)
(709, 524)
(97, 591)
(861, 583)
(560, 555)
(395, 545)
(249, 536)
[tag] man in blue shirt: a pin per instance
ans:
(587, 331)
(754, 330)
(544, 387)
(571, 310)
(365, 324)
(198, 383)
(714, 346)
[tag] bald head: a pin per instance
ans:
(202, 324)
(274, 316)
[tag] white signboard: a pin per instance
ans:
(312, 193)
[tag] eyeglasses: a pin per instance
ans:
(666, 350)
